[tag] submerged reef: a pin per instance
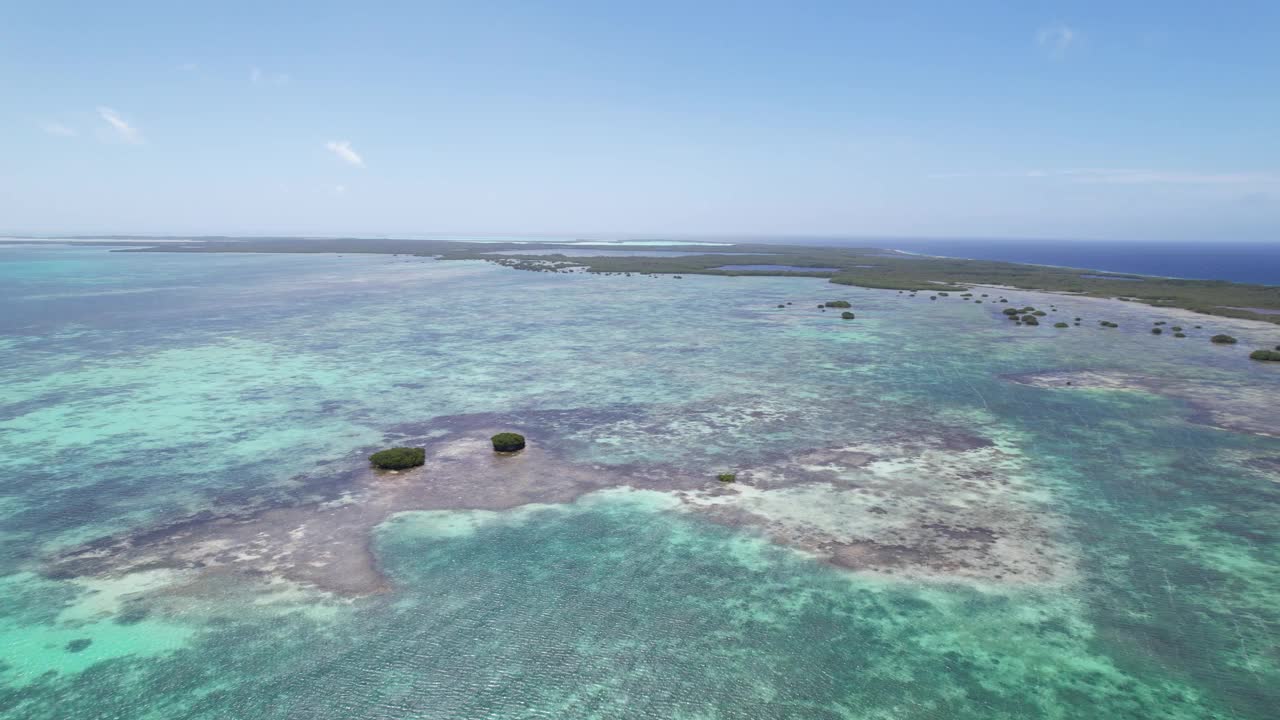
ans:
(939, 504)
(1235, 406)
(926, 513)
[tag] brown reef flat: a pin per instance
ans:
(947, 506)
(937, 514)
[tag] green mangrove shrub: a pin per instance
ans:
(507, 442)
(846, 315)
(398, 458)
(1060, 325)
(1223, 339)
(1266, 355)
(727, 477)
(838, 304)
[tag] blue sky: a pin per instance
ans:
(1133, 120)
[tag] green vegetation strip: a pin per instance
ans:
(863, 267)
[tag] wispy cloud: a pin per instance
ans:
(1125, 176)
(58, 129)
(1056, 39)
(342, 148)
(258, 76)
(188, 67)
(122, 129)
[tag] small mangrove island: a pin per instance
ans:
(398, 458)
(507, 442)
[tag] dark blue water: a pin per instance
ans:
(1238, 262)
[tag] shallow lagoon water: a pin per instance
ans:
(144, 389)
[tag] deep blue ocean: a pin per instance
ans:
(1238, 262)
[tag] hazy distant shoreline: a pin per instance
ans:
(1243, 262)
(907, 269)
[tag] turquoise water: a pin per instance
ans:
(913, 533)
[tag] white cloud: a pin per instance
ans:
(1167, 177)
(342, 148)
(1126, 176)
(257, 76)
(59, 129)
(123, 130)
(1056, 39)
(339, 189)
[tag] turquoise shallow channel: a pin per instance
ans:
(937, 513)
